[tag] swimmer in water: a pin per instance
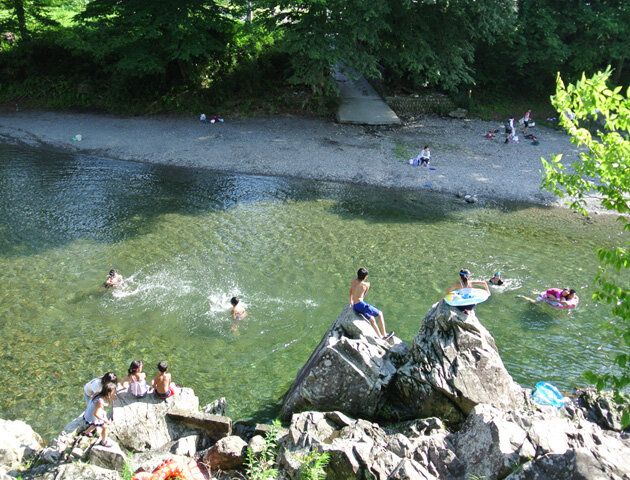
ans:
(559, 295)
(114, 279)
(238, 310)
(496, 279)
(466, 282)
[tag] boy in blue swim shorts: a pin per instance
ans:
(358, 288)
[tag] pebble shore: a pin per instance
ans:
(465, 161)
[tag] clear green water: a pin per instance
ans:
(188, 240)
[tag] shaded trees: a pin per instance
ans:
(162, 39)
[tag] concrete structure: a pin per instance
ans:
(360, 104)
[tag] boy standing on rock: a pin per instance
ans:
(358, 288)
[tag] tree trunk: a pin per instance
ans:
(18, 5)
(619, 70)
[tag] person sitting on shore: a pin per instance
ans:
(358, 288)
(96, 416)
(114, 279)
(562, 296)
(136, 381)
(96, 385)
(162, 383)
(425, 157)
(238, 310)
(465, 282)
(496, 279)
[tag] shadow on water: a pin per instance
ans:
(60, 197)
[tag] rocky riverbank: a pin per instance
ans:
(443, 407)
(464, 161)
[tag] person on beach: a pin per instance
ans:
(114, 279)
(238, 310)
(526, 120)
(358, 289)
(496, 279)
(136, 381)
(562, 296)
(466, 282)
(509, 129)
(96, 385)
(96, 416)
(162, 383)
(425, 157)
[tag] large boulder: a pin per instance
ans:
(356, 448)
(455, 365)
(18, 442)
(142, 423)
(349, 370)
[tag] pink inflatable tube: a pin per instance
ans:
(570, 303)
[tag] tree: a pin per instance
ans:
(26, 15)
(423, 42)
(160, 38)
(570, 36)
(603, 168)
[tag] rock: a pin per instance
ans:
(18, 442)
(458, 113)
(349, 371)
(455, 365)
(218, 407)
(471, 198)
(357, 448)
(490, 444)
(409, 469)
(142, 424)
(73, 471)
(602, 408)
(111, 458)
(186, 446)
(215, 426)
(227, 454)
(257, 444)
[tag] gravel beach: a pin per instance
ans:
(464, 160)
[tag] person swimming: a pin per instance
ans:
(238, 310)
(114, 279)
(564, 297)
(464, 283)
(496, 279)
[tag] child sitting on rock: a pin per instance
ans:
(136, 381)
(162, 383)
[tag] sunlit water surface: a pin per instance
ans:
(188, 240)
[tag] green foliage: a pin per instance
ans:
(158, 39)
(127, 472)
(313, 465)
(570, 37)
(262, 465)
(603, 168)
(433, 43)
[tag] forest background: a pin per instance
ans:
(263, 56)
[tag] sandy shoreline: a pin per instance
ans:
(464, 160)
